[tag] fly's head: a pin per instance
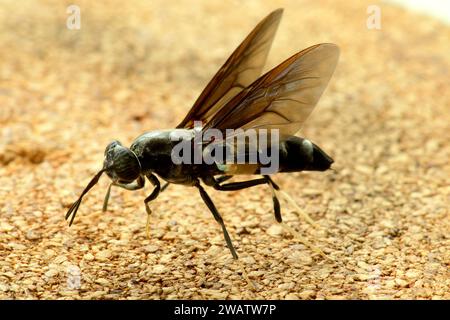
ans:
(121, 164)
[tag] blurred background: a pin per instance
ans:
(435, 8)
(67, 90)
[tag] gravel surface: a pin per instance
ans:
(382, 216)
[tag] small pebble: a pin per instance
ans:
(159, 268)
(104, 255)
(275, 230)
(307, 294)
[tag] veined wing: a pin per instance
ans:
(284, 97)
(242, 68)
(281, 99)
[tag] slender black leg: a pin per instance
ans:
(108, 193)
(223, 179)
(247, 184)
(164, 187)
(274, 185)
(276, 202)
(138, 184)
(154, 180)
(233, 186)
(218, 218)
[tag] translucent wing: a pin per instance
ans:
(242, 68)
(281, 99)
(284, 97)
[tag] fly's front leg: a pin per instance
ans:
(154, 180)
(138, 184)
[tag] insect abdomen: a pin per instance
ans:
(298, 154)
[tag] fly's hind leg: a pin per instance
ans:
(275, 188)
(276, 203)
(233, 186)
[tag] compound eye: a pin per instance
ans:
(111, 146)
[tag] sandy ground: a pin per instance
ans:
(134, 66)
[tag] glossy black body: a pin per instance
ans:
(154, 148)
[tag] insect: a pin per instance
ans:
(237, 97)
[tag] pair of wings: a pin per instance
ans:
(283, 98)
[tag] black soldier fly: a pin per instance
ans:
(235, 98)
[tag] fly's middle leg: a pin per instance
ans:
(217, 217)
